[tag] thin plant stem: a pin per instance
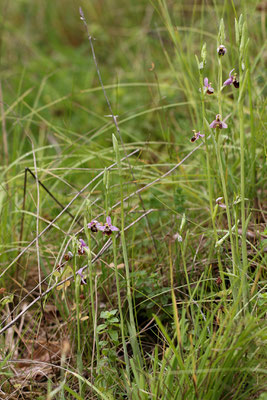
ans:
(174, 303)
(37, 241)
(220, 85)
(252, 129)
(78, 333)
(126, 357)
(225, 195)
(185, 270)
(51, 195)
(210, 180)
(244, 287)
(4, 130)
(93, 306)
(133, 334)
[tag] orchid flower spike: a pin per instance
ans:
(80, 272)
(221, 50)
(218, 123)
(207, 87)
(231, 80)
(196, 136)
(82, 246)
(108, 228)
(93, 225)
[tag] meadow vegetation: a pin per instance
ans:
(133, 250)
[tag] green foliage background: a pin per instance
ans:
(52, 102)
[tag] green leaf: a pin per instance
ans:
(104, 314)
(108, 314)
(113, 320)
(113, 312)
(101, 328)
(114, 335)
(103, 343)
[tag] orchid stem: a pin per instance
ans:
(210, 181)
(220, 86)
(225, 195)
(244, 286)
(133, 333)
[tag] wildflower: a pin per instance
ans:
(236, 83)
(231, 80)
(93, 225)
(80, 272)
(82, 246)
(207, 87)
(177, 237)
(219, 202)
(108, 228)
(68, 256)
(221, 50)
(196, 136)
(218, 122)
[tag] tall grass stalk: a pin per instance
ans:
(132, 327)
(252, 130)
(91, 288)
(228, 214)
(126, 357)
(78, 317)
(243, 78)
